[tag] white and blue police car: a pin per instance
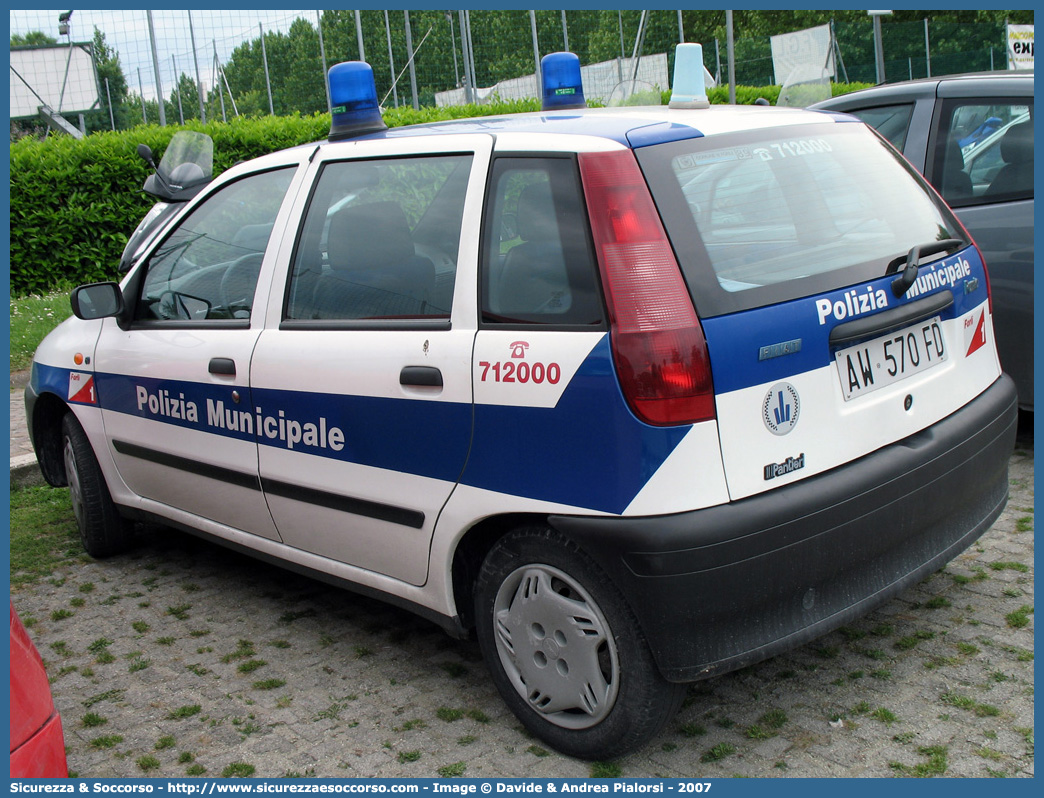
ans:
(636, 395)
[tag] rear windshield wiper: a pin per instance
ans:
(902, 283)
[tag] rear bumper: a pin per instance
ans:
(721, 588)
(42, 756)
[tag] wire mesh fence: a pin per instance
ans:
(222, 64)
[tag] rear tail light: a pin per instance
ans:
(658, 344)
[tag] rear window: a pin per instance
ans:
(772, 215)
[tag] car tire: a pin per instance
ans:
(103, 531)
(565, 650)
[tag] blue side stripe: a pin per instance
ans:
(588, 451)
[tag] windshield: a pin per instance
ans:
(776, 214)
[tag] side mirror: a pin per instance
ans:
(97, 301)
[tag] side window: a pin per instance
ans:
(984, 151)
(208, 267)
(380, 239)
(537, 265)
(891, 121)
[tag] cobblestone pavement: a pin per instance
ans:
(182, 659)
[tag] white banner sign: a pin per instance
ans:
(1020, 47)
(804, 52)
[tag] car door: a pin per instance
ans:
(994, 136)
(170, 384)
(362, 376)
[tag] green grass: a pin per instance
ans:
(1020, 617)
(184, 712)
(32, 318)
(452, 771)
(718, 752)
(43, 534)
(605, 770)
(935, 764)
(238, 769)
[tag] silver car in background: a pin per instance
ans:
(972, 137)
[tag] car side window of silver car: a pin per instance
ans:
(984, 151)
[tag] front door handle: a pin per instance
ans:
(224, 366)
(427, 376)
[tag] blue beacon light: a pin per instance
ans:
(353, 97)
(690, 87)
(563, 88)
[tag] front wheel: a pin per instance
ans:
(103, 531)
(565, 650)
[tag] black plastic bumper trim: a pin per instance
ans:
(720, 588)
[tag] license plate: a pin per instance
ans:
(876, 364)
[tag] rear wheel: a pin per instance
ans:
(103, 531)
(565, 650)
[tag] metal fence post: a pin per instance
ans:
(536, 47)
(108, 96)
(358, 35)
(453, 47)
(322, 54)
(391, 60)
(195, 60)
(217, 81)
(155, 69)
(468, 95)
(141, 96)
(409, 52)
(264, 58)
(730, 53)
(471, 57)
(177, 89)
(927, 49)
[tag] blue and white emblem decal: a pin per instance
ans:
(780, 408)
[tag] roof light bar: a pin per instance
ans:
(690, 88)
(353, 95)
(563, 87)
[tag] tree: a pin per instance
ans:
(112, 88)
(33, 38)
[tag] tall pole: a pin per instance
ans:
(195, 60)
(217, 81)
(619, 22)
(453, 47)
(413, 69)
(108, 96)
(471, 55)
(536, 50)
(322, 55)
(681, 29)
(730, 53)
(468, 94)
(565, 32)
(358, 35)
(264, 60)
(156, 72)
(391, 59)
(141, 96)
(177, 88)
(927, 49)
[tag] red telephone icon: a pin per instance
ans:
(518, 349)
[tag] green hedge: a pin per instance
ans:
(75, 202)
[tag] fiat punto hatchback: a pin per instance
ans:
(636, 396)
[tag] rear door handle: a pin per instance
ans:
(225, 366)
(427, 376)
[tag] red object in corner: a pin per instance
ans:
(37, 744)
